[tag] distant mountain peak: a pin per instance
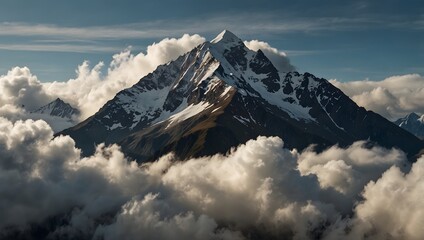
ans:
(58, 108)
(58, 114)
(413, 123)
(412, 116)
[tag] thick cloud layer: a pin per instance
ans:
(348, 170)
(259, 190)
(393, 97)
(392, 208)
(400, 194)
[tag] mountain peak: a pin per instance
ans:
(59, 101)
(413, 123)
(221, 94)
(58, 108)
(226, 37)
(412, 116)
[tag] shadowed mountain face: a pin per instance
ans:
(222, 94)
(412, 123)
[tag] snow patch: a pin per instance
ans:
(227, 89)
(323, 108)
(187, 113)
(295, 110)
(243, 120)
(115, 125)
(138, 103)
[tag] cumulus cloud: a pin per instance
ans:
(258, 189)
(92, 88)
(12, 112)
(146, 218)
(392, 208)
(348, 170)
(278, 58)
(393, 97)
(42, 177)
(401, 194)
(19, 87)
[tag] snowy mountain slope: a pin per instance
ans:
(413, 123)
(58, 114)
(58, 108)
(222, 94)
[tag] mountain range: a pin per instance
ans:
(221, 94)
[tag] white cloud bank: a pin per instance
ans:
(393, 97)
(259, 189)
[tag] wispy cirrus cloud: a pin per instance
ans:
(97, 39)
(51, 30)
(162, 28)
(75, 48)
(59, 38)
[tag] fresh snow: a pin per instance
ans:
(295, 110)
(58, 114)
(142, 103)
(323, 108)
(227, 90)
(213, 83)
(56, 123)
(115, 125)
(226, 39)
(241, 119)
(187, 113)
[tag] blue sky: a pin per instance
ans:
(346, 40)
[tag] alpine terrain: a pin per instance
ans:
(412, 123)
(221, 94)
(58, 114)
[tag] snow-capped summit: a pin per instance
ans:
(226, 37)
(58, 108)
(412, 123)
(58, 114)
(221, 94)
